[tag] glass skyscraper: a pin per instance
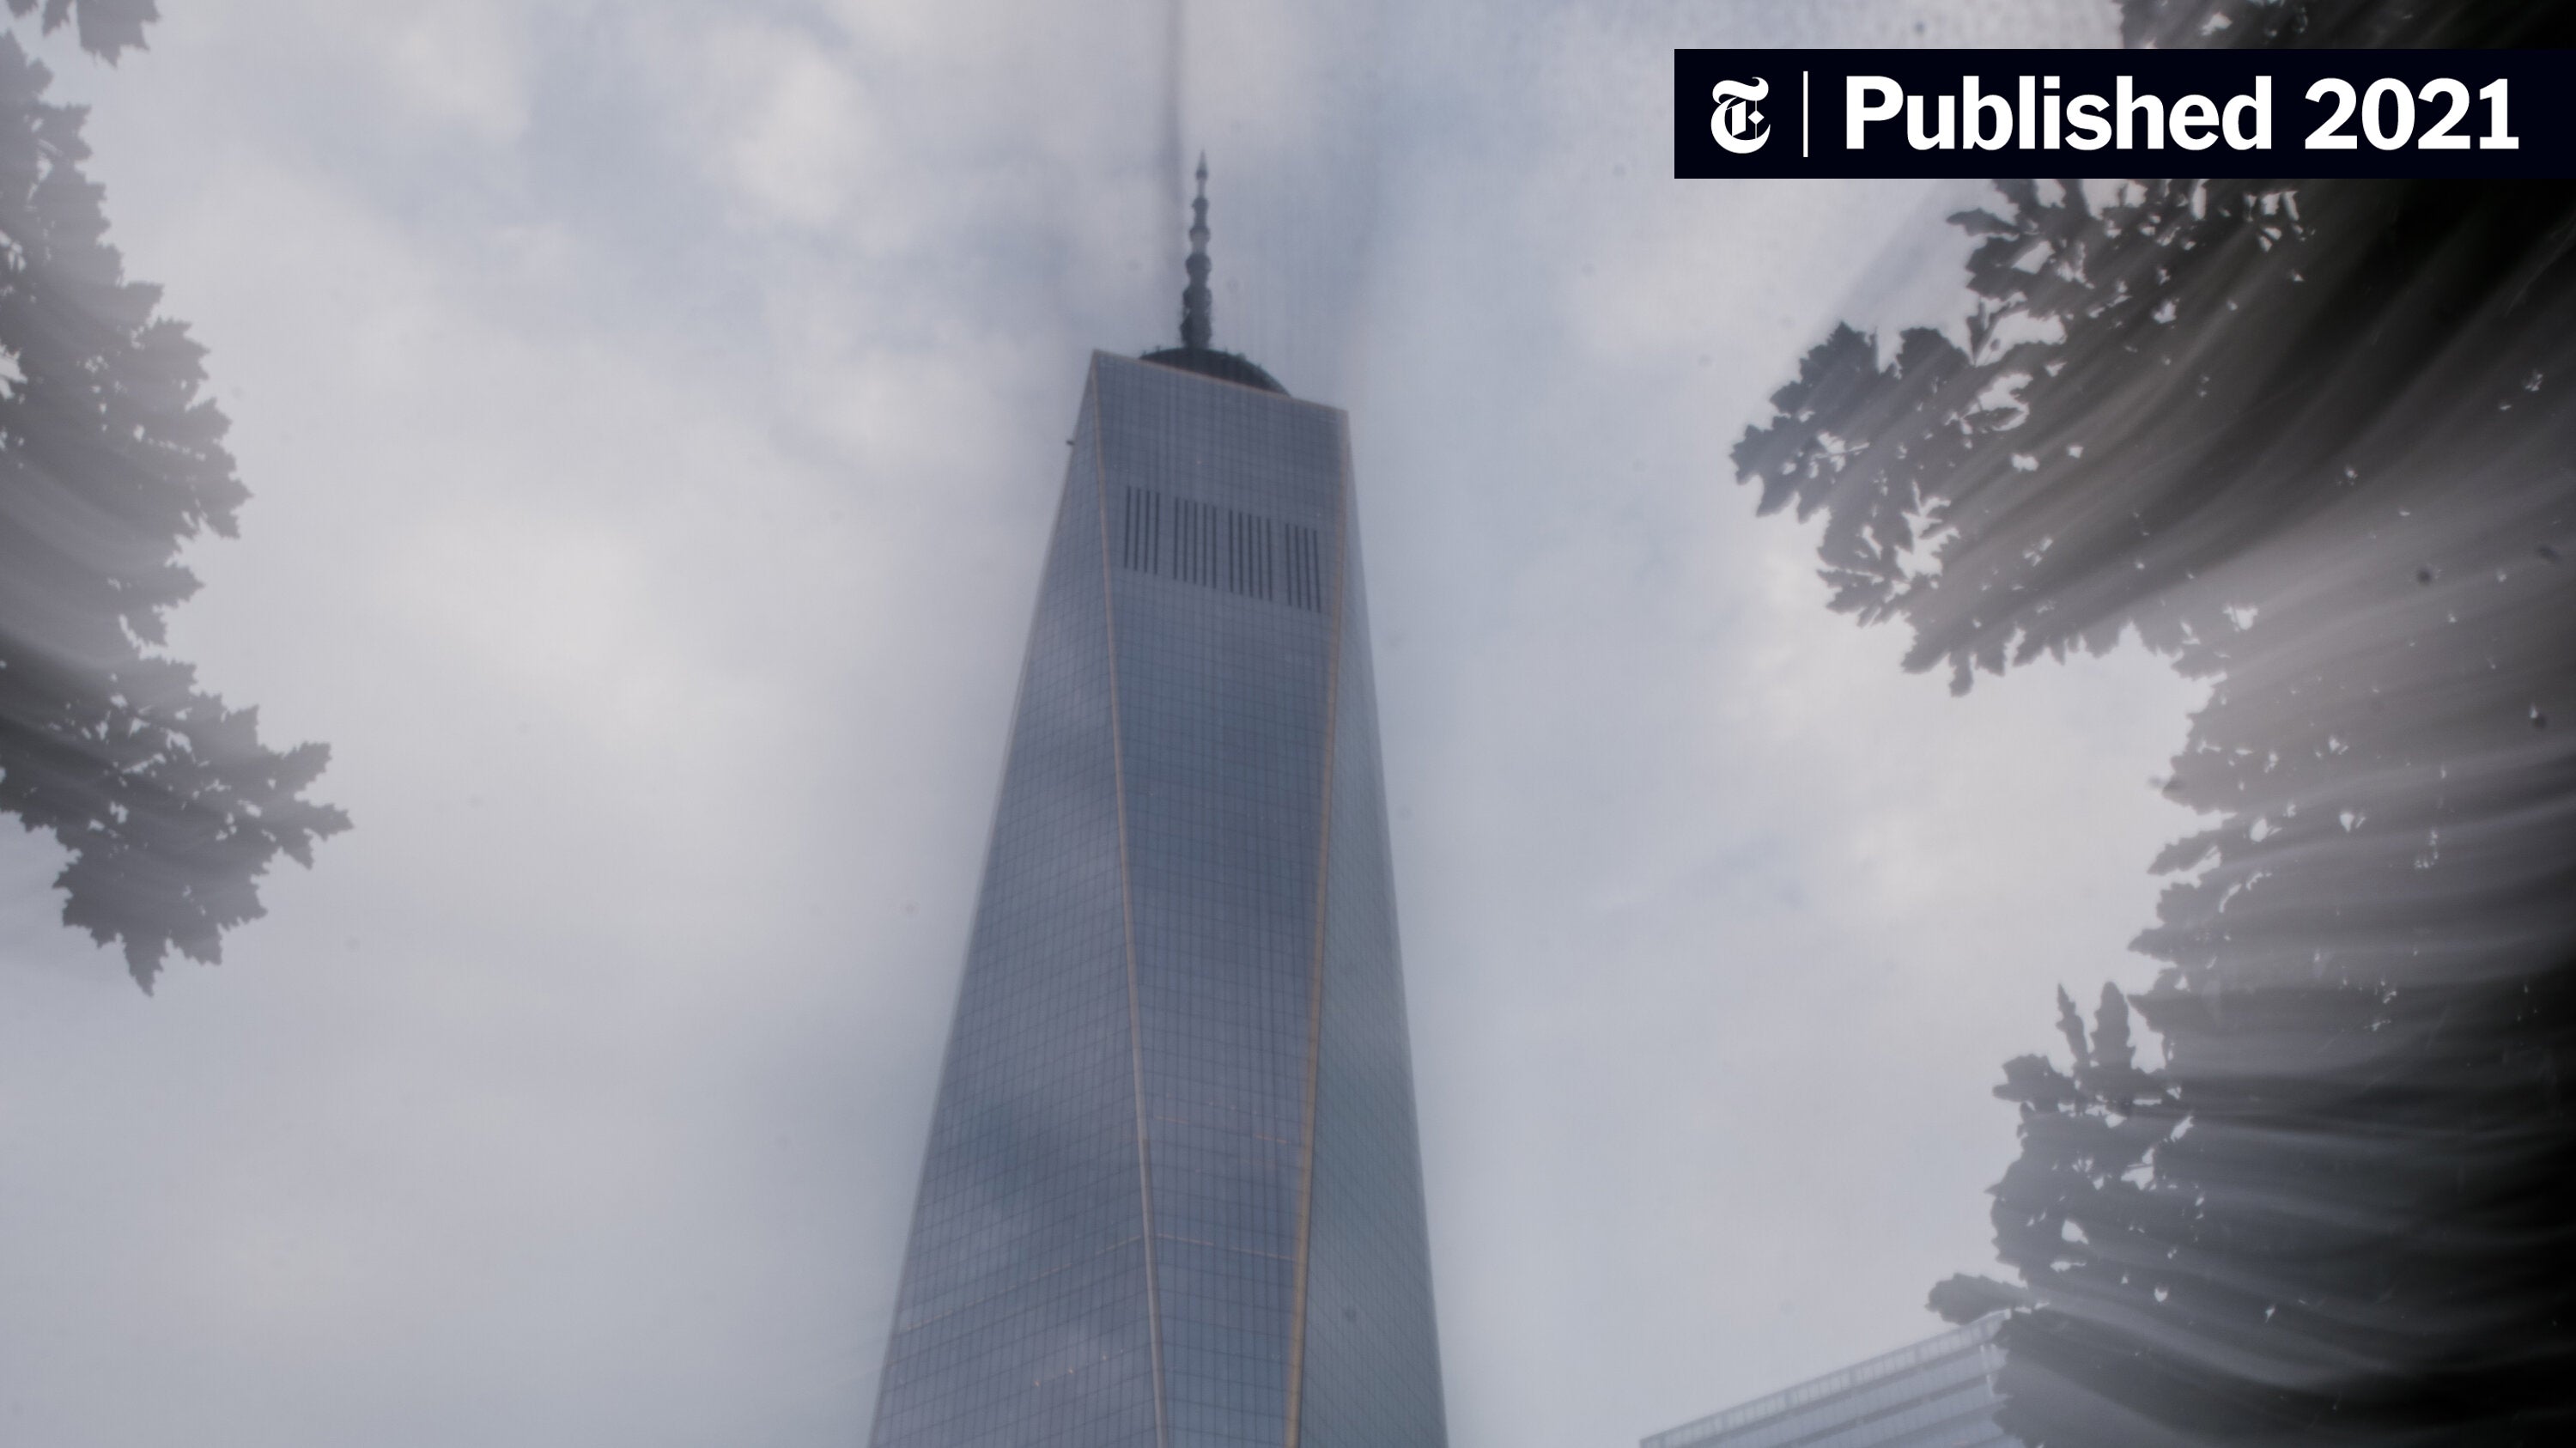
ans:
(1173, 1195)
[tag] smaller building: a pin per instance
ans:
(1939, 1393)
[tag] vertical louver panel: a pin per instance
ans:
(1219, 547)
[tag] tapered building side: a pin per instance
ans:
(1173, 1192)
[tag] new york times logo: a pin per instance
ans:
(1731, 124)
(2253, 112)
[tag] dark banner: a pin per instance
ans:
(2468, 113)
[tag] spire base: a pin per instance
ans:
(1223, 366)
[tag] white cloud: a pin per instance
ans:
(650, 520)
(796, 133)
(465, 63)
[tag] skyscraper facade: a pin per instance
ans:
(1173, 1193)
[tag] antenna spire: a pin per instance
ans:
(1196, 327)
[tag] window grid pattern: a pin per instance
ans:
(1372, 1364)
(1024, 1316)
(1222, 700)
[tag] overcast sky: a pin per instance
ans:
(653, 414)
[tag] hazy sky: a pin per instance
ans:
(654, 412)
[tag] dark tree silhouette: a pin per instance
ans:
(106, 27)
(109, 463)
(2313, 440)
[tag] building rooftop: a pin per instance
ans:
(1937, 1393)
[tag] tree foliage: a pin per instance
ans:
(106, 28)
(110, 462)
(2315, 441)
